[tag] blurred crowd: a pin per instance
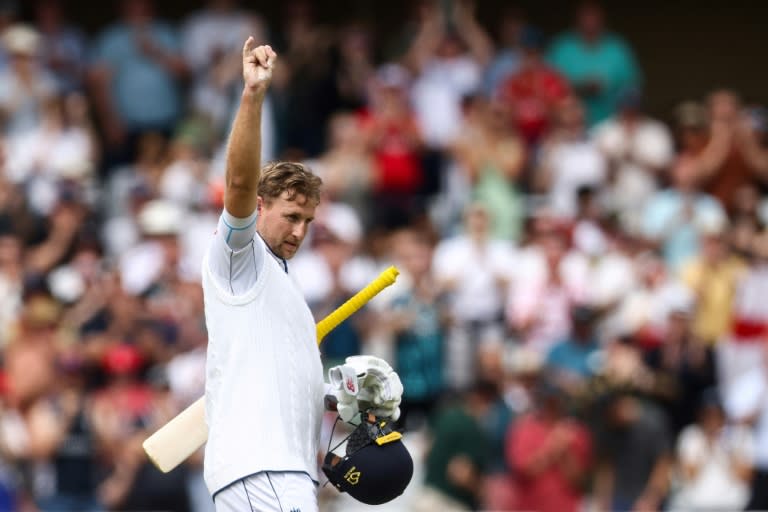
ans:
(580, 321)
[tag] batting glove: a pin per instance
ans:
(366, 383)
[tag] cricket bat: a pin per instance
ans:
(177, 440)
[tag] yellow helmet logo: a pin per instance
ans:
(352, 476)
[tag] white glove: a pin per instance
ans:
(345, 386)
(366, 383)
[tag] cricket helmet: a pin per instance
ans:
(376, 467)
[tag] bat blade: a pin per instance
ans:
(178, 439)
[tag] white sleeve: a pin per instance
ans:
(236, 253)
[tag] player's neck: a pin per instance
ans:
(283, 263)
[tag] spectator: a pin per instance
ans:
(417, 317)
(393, 136)
(676, 217)
(127, 191)
(589, 233)
(354, 65)
(496, 493)
(458, 455)
(210, 42)
(72, 441)
(136, 77)
(215, 30)
(533, 92)
(16, 215)
(155, 261)
(611, 273)
(635, 455)
(741, 351)
(25, 84)
(548, 280)
(304, 85)
(644, 312)
(683, 369)
(61, 150)
(490, 157)
(30, 416)
(733, 155)
(141, 177)
(472, 270)
(550, 455)
(599, 64)
(125, 411)
(573, 360)
(524, 368)
(184, 180)
(713, 276)
(67, 223)
(715, 461)
(347, 167)
(447, 57)
(638, 148)
(63, 46)
(568, 160)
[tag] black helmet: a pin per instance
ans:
(376, 468)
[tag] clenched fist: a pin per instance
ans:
(257, 66)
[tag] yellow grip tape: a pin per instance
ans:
(355, 302)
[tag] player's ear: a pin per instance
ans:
(259, 204)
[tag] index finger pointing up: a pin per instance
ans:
(248, 46)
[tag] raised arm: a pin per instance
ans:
(431, 30)
(244, 149)
(478, 42)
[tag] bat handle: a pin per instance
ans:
(356, 302)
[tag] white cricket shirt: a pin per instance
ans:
(264, 377)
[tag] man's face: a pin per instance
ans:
(283, 222)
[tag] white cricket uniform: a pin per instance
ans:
(264, 378)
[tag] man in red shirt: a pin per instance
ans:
(550, 454)
(394, 138)
(534, 90)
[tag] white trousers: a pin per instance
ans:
(269, 491)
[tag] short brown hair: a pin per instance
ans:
(296, 178)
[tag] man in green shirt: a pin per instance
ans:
(458, 455)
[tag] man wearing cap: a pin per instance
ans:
(24, 85)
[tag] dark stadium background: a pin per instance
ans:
(686, 46)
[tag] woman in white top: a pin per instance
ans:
(715, 461)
